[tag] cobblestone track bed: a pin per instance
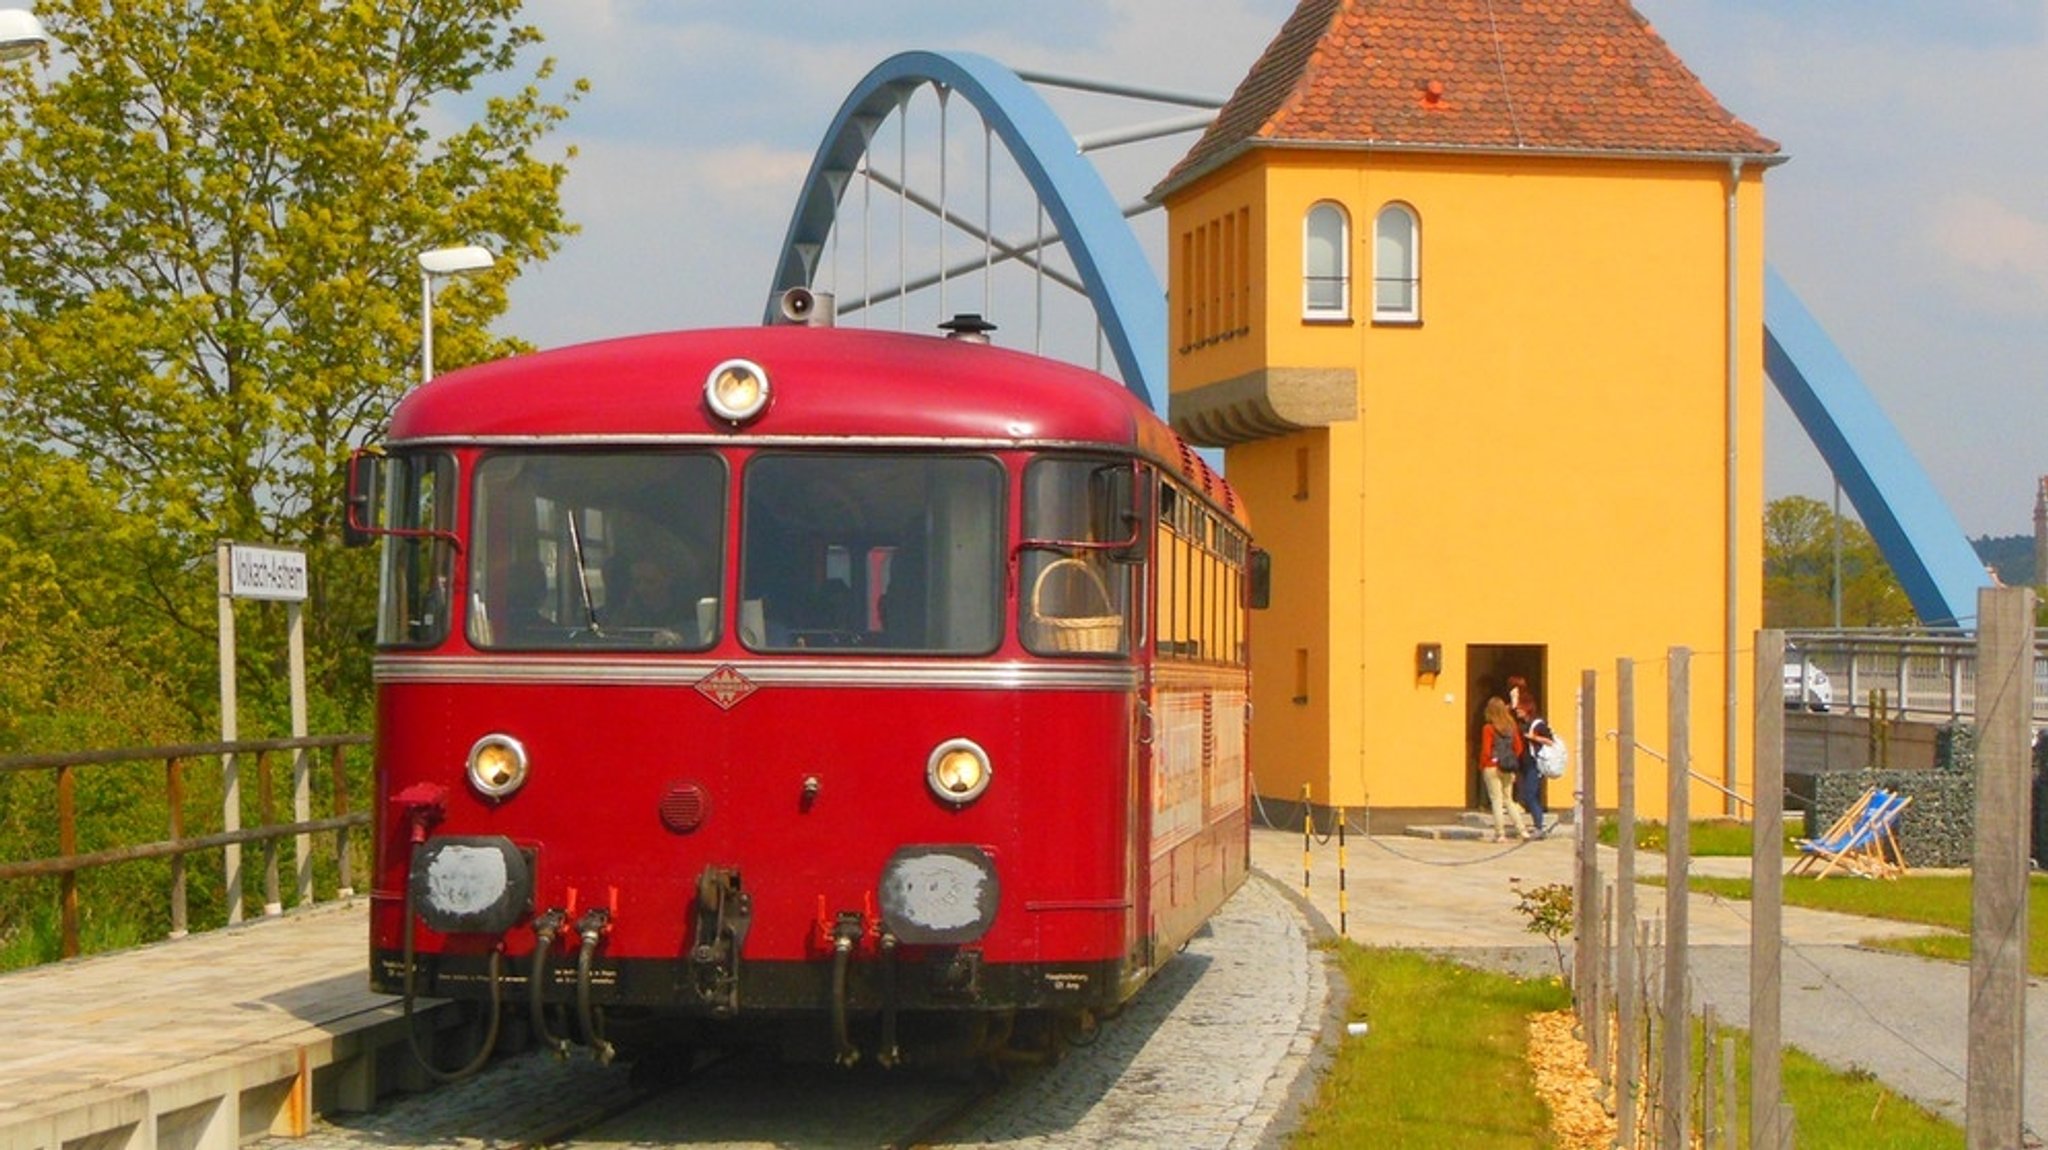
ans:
(1219, 1051)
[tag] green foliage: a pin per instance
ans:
(208, 296)
(1799, 566)
(1548, 909)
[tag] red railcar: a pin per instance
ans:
(803, 683)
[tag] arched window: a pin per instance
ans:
(1326, 263)
(1396, 278)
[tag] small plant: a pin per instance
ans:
(1549, 911)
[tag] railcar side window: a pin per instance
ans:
(597, 549)
(852, 552)
(1075, 601)
(414, 597)
(1200, 574)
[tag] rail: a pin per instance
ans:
(68, 862)
(1929, 675)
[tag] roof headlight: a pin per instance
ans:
(497, 765)
(736, 390)
(958, 771)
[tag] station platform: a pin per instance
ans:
(200, 1042)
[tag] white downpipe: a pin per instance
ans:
(1731, 659)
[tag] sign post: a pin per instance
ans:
(276, 574)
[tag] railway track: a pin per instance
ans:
(1212, 1054)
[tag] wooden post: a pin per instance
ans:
(67, 845)
(1730, 1105)
(1597, 1043)
(344, 871)
(230, 726)
(1585, 904)
(1677, 871)
(1710, 1079)
(273, 905)
(1767, 895)
(174, 792)
(1627, 1069)
(302, 760)
(1998, 901)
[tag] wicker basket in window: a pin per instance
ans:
(1093, 634)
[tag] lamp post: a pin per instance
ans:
(21, 34)
(442, 262)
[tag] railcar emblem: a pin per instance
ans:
(725, 687)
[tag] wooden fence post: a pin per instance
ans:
(67, 845)
(1767, 894)
(1586, 899)
(344, 871)
(1998, 900)
(174, 793)
(1677, 872)
(1627, 1069)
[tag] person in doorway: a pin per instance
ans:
(1529, 778)
(1500, 757)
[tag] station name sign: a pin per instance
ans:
(266, 573)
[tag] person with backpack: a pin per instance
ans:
(1500, 758)
(1529, 777)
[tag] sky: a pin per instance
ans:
(1911, 217)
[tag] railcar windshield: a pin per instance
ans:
(418, 508)
(596, 549)
(854, 552)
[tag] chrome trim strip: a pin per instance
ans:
(669, 672)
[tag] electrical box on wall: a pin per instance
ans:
(1429, 658)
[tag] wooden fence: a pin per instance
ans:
(1631, 979)
(68, 862)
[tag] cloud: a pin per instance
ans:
(1998, 256)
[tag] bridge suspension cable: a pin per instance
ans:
(1068, 230)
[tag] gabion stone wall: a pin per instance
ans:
(1935, 831)
(1940, 826)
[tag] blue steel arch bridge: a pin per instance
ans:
(1006, 214)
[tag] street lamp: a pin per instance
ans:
(442, 262)
(21, 34)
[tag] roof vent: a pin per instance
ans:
(968, 327)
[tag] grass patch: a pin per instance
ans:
(1852, 1110)
(1710, 837)
(1445, 1064)
(1936, 899)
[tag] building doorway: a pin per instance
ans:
(1489, 668)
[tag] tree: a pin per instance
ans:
(207, 286)
(1799, 565)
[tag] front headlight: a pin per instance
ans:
(497, 765)
(736, 390)
(958, 771)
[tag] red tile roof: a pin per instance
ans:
(1542, 75)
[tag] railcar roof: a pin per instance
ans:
(824, 383)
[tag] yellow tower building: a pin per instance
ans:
(1471, 292)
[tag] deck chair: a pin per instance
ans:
(1862, 841)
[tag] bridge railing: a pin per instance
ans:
(1926, 675)
(69, 862)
